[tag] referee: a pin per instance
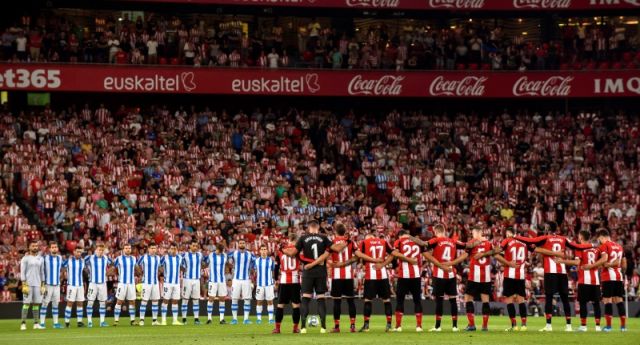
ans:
(314, 249)
(32, 277)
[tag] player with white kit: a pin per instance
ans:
(75, 287)
(171, 264)
(150, 264)
(52, 266)
(265, 290)
(217, 283)
(32, 276)
(97, 263)
(126, 264)
(241, 285)
(192, 262)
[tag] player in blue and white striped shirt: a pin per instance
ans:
(241, 284)
(75, 286)
(150, 264)
(264, 266)
(192, 262)
(217, 262)
(52, 265)
(97, 263)
(126, 264)
(171, 264)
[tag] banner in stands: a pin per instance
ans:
(308, 82)
(451, 5)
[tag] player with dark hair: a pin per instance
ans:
(551, 247)
(441, 251)
(513, 257)
(289, 290)
(342, 287)
(613, 262)
(408, 273)
(314, 249)
(588, 281)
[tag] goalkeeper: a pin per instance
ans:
(32, 277)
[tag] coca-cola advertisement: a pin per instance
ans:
(445, 5)
(306, 82)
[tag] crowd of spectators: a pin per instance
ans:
(232, 42)
(173, 175)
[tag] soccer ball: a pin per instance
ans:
(313, 321)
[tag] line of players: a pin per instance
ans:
(41, 274)
(312, 254)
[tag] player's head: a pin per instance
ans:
(153, 249)
(194, 246)
(99, 249)
(126, 249)
(293, 238)
(403, 233)
(242, 244)
(476, 233)
(53, 248)
(584, 236)
(341, 230)
(219, 248)
(173, 249)
(78, 252)
(313, 227)
(440, 230)
(33, 247)
(509, 232)
(263, 251)
(603, 235)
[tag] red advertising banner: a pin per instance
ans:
(452, 5)
(310, 82)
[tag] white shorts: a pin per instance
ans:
(75, 293)
(34, 296)
(265, 293)
(150, 292)
(51, 295)
(217, 289)
(126, 292)
(241, 289)
(171, 292)
(191, 289)
(97, 291)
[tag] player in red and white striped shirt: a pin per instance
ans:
(514, 258)
(443, 256)
(588, 280)
(479, 278)
(613, 262)
(555, 273)
(342, 278)
(408, 273)
(289, 289)
(374, 252)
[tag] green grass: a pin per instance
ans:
(261, 334)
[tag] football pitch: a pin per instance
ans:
(261, 334)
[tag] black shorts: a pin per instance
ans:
(588, 293)
(476, 289)
(377, 287)
(612, 289)
(409, 285)
(289, 293)
(342, 288)
(315, 282)
(443, 287)
(556, 283)
(512, 287)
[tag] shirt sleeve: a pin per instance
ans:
(431, 243)
(327, 243)
(576, 246)
(538, 241)
(299, 245)
(461, 245)
(23, 269)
